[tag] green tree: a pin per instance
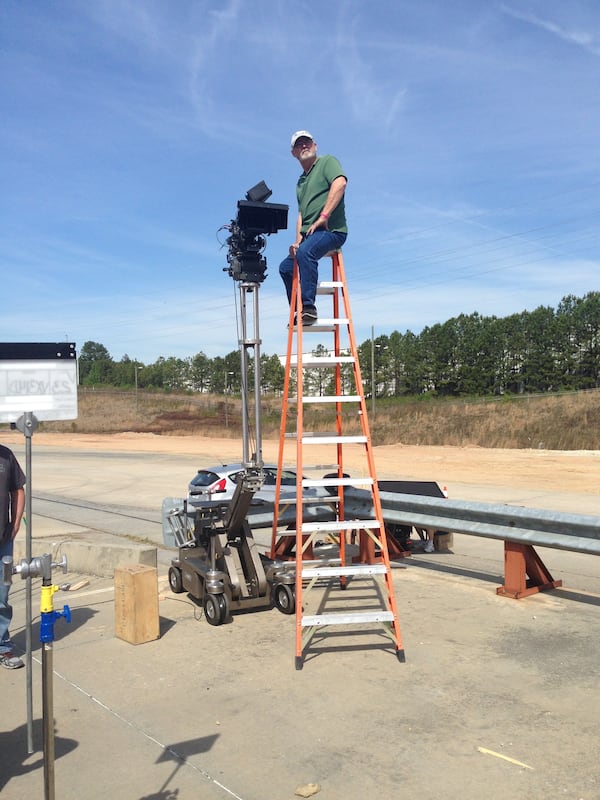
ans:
(538, 370)
(95, 364)
(273, 373)
(579, 327)
(200, 372)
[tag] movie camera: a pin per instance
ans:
(255, 220)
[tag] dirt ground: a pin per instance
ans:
(570, 470)
(472, 473)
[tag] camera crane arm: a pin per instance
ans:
(255, 220)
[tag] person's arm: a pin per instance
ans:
(336, 192)
(17, 507)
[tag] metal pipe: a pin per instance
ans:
(29, 425)
(48, 719)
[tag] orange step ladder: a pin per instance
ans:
(323, 543)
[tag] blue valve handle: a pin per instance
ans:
(48, 618)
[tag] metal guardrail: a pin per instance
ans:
(520, 529)
(561, 531)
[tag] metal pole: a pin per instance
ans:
(255, 459)
(257, 383)
(373, 372)
(28, 424)
(244, 376)
(136, 369)
(48, 717)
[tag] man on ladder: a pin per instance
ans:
(321, 225)
(321, 230)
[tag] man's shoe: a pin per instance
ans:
(428, 546)
(309, 316)
(11, 661)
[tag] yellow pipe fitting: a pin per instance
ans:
(46, 602)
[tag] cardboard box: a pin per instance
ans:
(136, 604)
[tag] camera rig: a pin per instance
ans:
(255, 220)
(219, 563)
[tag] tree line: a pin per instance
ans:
(533, 351)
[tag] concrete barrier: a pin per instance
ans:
(89, 558)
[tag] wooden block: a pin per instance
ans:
(73, 587)
(443, 541)
(136, 604)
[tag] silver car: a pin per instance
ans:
(218, 483)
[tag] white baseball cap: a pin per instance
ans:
(299, 134)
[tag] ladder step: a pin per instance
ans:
(320, 467)
(339, 525)
(314, 482)
(335, 398)
(332, 438)
(348, 618)
(306, 501)
(338, 572)
(318, 361)
(316, 437)
(329, 287)
(326, 323)
(320, 326)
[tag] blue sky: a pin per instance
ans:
(469, 132)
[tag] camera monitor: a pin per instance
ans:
(260, 217)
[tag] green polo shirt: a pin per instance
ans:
(312, 190)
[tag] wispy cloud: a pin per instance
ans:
(375, 97)
(579, 38)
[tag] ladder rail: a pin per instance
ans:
(335, 261)
(300, 547)
(284, 413)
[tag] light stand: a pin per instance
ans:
(28, 424)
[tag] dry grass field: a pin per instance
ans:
(553, 422)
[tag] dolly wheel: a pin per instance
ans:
(175, 581)
(284, 598)
(215, 608)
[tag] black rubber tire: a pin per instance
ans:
(215, 609)
(284, 598)
(175, 580)
(333, 490)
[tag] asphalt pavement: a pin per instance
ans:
(498, 698)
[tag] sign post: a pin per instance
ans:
(38, 381)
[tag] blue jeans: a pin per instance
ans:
(6, 549)
(313, 248)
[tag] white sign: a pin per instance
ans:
(44, 387)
